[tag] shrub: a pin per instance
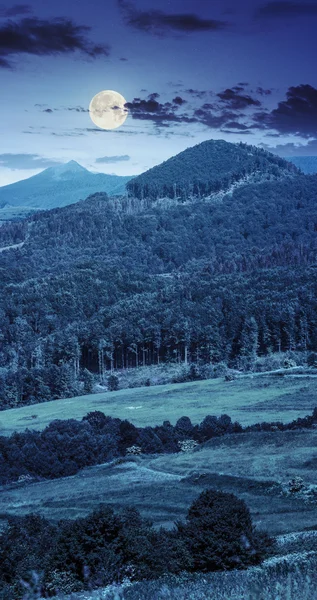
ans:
(113, 383)
(312, 359)
(181, 375)
(219, 533)
(230, 376)
(128, 435)
(149, 441)
(96, 419)
(184, 428)
(289, 363)
(220, 369)
(88, 381)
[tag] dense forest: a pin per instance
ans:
(210, 167)
(112, 283)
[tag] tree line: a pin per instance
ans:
(66, 446)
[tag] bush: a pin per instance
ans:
(230, 376)
(312, 359)
(113, 383)
(88, 381)
(219, 533)
(149, 441)
(289, 363)
(105, 547)
(220, 369)
(184, 428)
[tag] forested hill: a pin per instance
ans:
(208, 168)
(123, 282)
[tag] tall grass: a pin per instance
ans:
(293, 577)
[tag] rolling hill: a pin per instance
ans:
(207, 168)
(128, 281)
(59, 186)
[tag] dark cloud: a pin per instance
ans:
(297, 114)
(79, 109)
(171, 114)
(286, 9)
(263, 92)
(123, 59)
(196, 93)
(161, 23)
(112, 159)
(45, 37)
(237, 125)
(26, 161)
(245, 132)
(216, 120)
(233, 99)
(175, 84)
(15, 11)
(179, 101)
(161, 114)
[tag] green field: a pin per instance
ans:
(247, 400)
(255, 466)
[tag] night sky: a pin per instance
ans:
(190, 70)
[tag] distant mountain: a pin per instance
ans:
(307, 164)
(59, 186)
(208, 168)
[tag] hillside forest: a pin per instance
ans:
(223, 273)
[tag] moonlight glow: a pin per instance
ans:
(107, 110)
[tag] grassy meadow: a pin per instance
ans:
(247, 399)
(256, 466)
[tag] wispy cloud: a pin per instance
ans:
(160, 23)
(26, 161)
(78, 109)
(15, 11)
(45, 37)
(112, 159)
(234, 99)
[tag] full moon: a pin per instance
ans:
(107, 109)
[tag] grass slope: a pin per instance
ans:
(247, 400)
(254, 466)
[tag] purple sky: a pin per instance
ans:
(190, 70)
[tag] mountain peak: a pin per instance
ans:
(71, 166)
